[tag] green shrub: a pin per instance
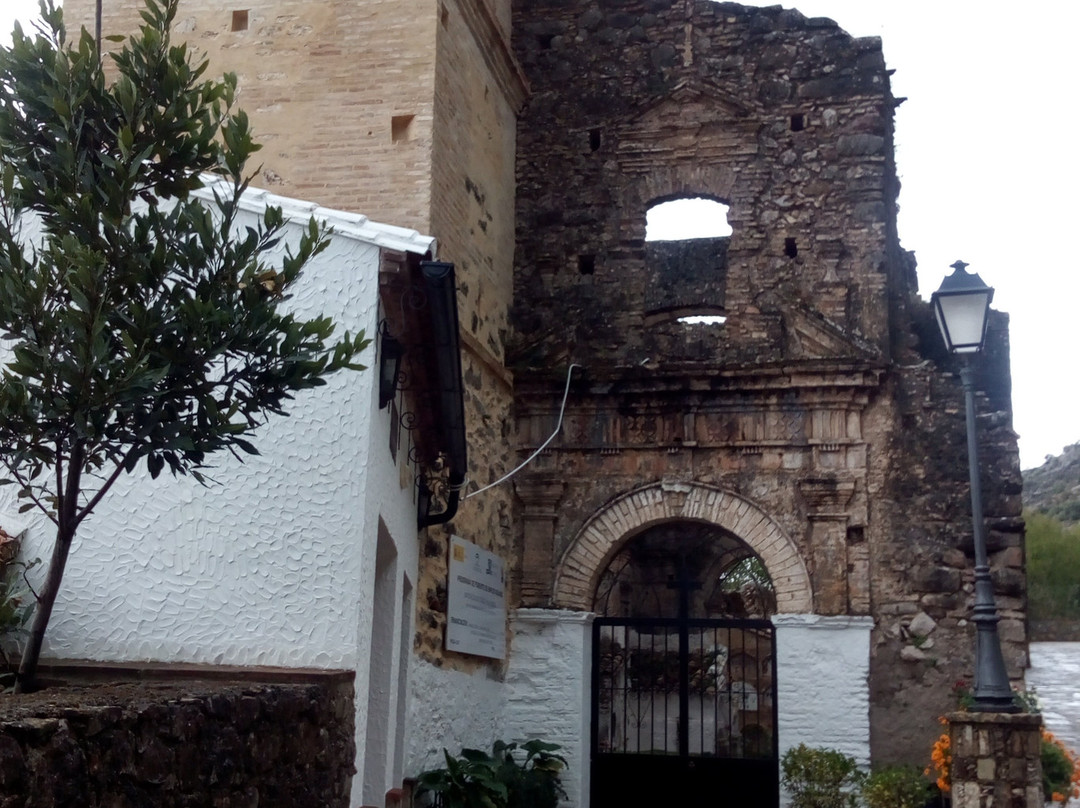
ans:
(820, 778)
(1053, 568)
(896, 787)
(502, 779)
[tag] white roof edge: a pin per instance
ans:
(351, 225)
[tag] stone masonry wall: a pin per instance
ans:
(179, 744)
(996, 760)
(787, 120)
(825, 400)
(923, 574)
(478, 90)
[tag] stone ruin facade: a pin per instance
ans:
(822, 423)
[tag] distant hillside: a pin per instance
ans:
(1054, 487)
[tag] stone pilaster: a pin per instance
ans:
(540, 496)
(995, 760)
(826, 504)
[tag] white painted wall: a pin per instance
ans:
(549, 688)
(266, 567)
(822, 675)
(453, 710)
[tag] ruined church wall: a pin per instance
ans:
(923, 569)
(787, 120)
(823, 399)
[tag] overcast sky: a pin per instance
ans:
(990, 173)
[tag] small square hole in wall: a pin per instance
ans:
(240, 20)
(401, 128)
(586, 264)
(595, 139)
(798, 122)
(791, 249)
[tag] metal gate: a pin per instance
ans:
(684, 713)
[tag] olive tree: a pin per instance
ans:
(141, 324)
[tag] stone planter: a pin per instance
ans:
(995, 760)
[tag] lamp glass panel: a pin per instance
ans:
(964, 320)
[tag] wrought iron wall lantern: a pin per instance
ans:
(390, 353)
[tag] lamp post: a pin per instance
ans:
(961, 304)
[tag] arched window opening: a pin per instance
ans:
(683, 219)
(686, 250)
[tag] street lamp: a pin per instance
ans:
(961, 305)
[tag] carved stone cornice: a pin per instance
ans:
(540, 495)
(827, 497)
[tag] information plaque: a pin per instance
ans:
(476, 601)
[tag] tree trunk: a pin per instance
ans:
(67, 508)
(24, 681)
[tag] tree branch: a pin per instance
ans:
(112, 478)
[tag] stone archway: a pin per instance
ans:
(601, 536)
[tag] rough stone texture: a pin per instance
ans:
(825, 402)
(995, 760)
(195, 743)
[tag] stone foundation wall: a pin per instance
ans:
(190, 743)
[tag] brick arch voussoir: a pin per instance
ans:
(629, 514)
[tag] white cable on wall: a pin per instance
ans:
(558, 426)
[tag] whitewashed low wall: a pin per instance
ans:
(823, 665)
(823, 691)
(450, 710)
(549, 688)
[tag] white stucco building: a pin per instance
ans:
(303, 556)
